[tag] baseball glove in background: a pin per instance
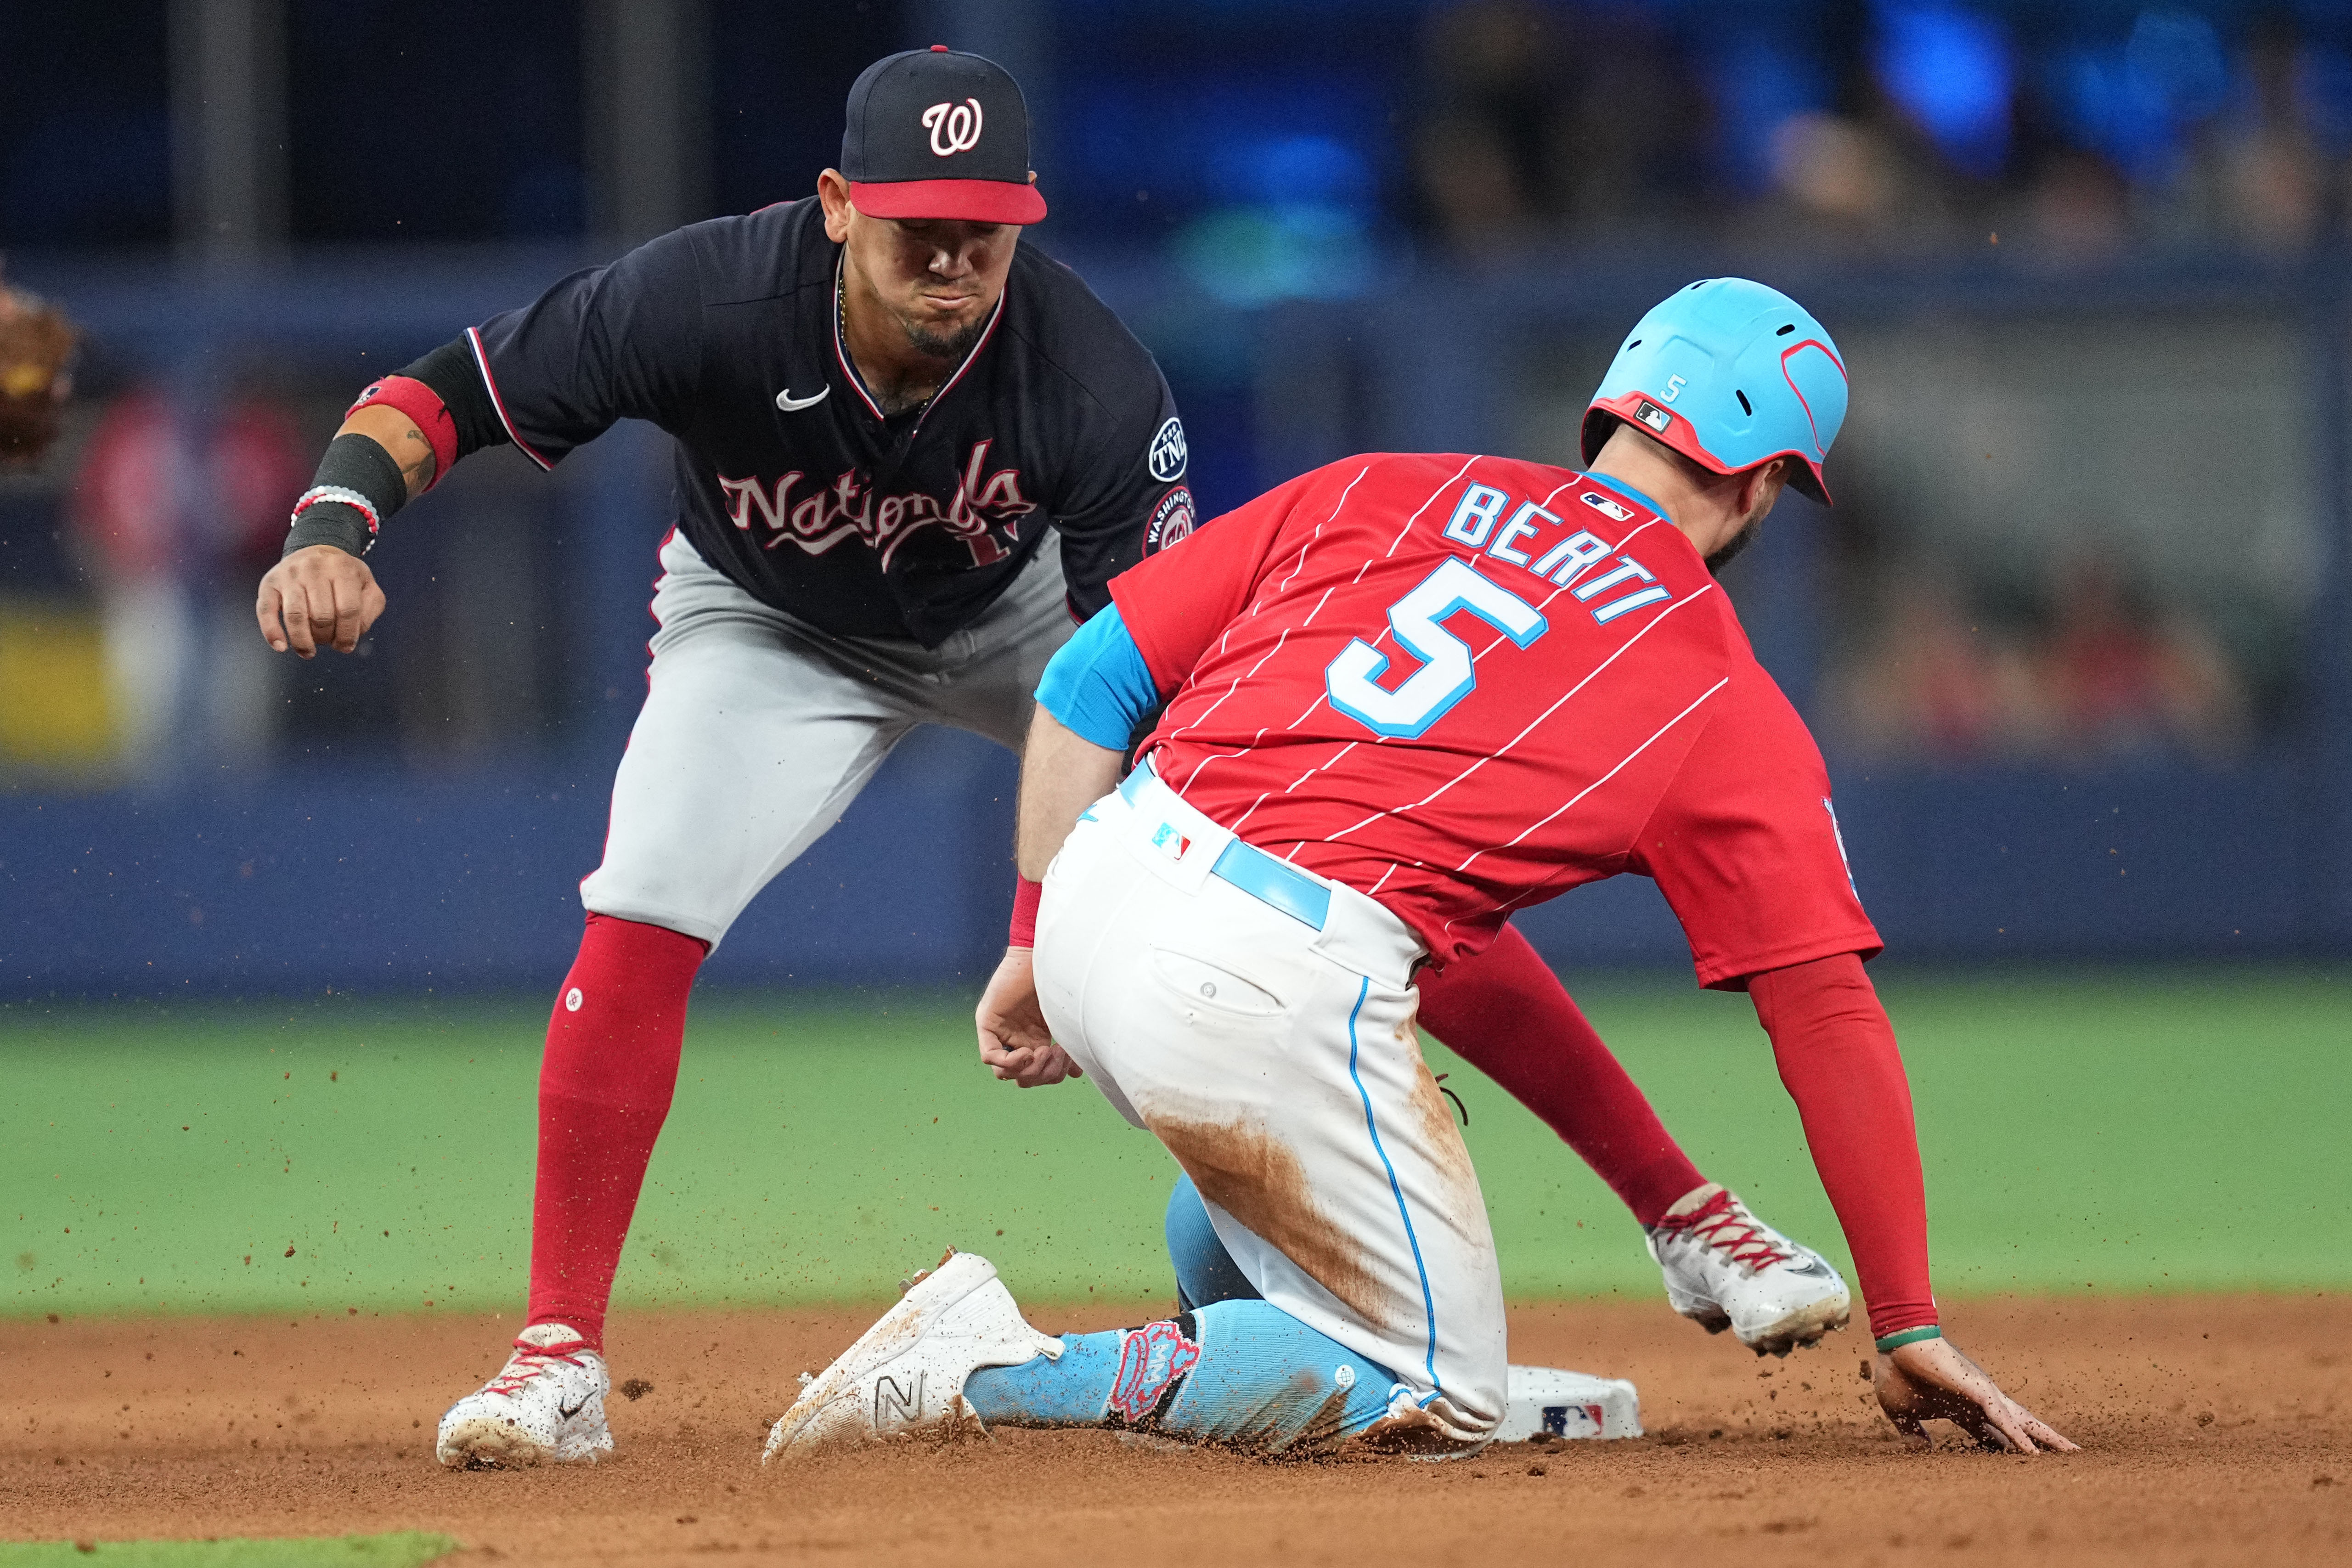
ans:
(37, 345)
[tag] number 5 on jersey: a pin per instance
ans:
(1447, 673)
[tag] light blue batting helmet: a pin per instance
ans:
(1729, 374)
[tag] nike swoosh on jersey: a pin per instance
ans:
(790, 404)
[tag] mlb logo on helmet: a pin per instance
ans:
(1752, 375)
(933, 134)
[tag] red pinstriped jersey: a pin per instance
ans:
(1467, 684)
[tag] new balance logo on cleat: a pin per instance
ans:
(894, 1405)
(904, 1376)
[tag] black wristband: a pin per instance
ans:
(329, 522)
(356, 469)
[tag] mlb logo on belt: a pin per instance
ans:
(1168, 841)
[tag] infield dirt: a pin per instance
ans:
(2216, 1429)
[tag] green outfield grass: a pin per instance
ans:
(2108, 1130)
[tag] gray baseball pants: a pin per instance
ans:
(759, 729)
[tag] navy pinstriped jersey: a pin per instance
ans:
(859, 524)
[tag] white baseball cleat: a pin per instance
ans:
(905, 1376)
(1726, 1269)
(547, 1407)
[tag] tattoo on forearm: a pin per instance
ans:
(418, 468)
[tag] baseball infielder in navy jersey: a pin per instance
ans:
(910, 453)
(1404, 696)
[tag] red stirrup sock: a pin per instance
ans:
(605, 1087)
(1505, 1014)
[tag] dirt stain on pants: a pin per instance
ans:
(1245, 1171)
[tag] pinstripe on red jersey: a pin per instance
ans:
(1460, 684)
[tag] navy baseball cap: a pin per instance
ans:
(933, 134)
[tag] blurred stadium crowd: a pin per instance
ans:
(1987, 595)
(1889, 130)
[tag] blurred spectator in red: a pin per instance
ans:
(173, 525)
(1936, 683)
(2122, 680)
(2106, 677)
(127, 501)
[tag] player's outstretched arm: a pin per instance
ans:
(1837, 1056)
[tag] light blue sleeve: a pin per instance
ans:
(1099, 684)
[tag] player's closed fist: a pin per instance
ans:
(1930, 1379)
(1014, 1041)
(319, 596)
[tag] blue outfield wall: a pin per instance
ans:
(365, 876)
(390, 882)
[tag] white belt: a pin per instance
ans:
(1186, 846)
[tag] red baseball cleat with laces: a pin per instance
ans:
(547, 1407)
(1726, 1269)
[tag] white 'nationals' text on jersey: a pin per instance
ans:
(789, 478)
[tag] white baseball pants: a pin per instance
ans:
(1274, 1054)
(759, 729)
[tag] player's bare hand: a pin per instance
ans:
(1930, 1378)
(1014, 1041)
(319, 596)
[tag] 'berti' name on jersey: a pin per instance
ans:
(792, 481)
(1465, 684)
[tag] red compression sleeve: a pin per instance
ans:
(1025, 894)
(605, 1087)
(424, 405)
(1838, 1060)
(1505, 1014)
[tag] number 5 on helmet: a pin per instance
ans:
(1730, 374)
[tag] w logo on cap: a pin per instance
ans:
(933, 135)
(954, 127)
